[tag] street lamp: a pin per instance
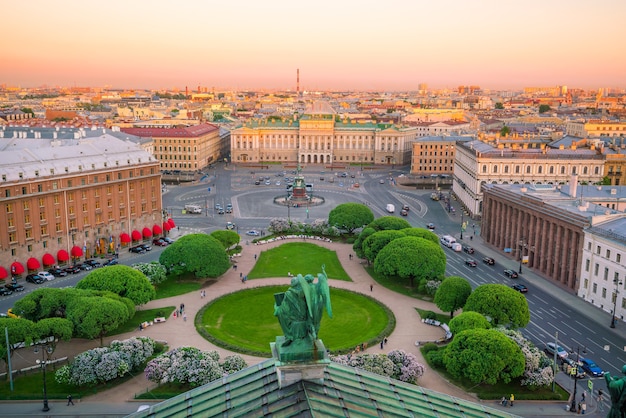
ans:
(617, 283)
(462, 223)
(522, 245)
(572, 407)
(43, 362)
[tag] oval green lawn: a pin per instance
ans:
(244, 321)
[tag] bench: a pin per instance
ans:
(159, 319)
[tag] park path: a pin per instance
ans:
(179, 333)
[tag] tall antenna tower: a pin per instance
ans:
(298, 82)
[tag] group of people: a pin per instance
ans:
(181, 312)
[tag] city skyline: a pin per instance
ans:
(346, 45)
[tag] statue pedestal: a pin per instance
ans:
(301, 360)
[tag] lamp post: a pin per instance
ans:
(43, 362)
(572, 407)
(617, 284)
(462, 223)
(522, 245)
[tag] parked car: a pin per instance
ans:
(85, 267)
(57, 272)
(110, 262)
(468, 249)
(45, 275)
(471, 263)
(520, 288)
(230, 225)
(159, 242)
(381, 181)
(5, 292)
(580, 373)
(220, 211)
(72, 269)
(511, 273)
(93, 263)
(404, 212)
(489, 260)
(405, 207)
(35, 279)
(591, 367)
(561, 353)
(431, 226)
(253, 233)
(137, 249)
(256, 182)
(146, 247)
(168, 240)
(14, 287)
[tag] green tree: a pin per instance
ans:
(226, 238)
(199, 254)
(499, 105)
(505, 131)
(358, 243)
(411, 258)
(123, 281)
(421, 233)
(468, 320)
(452, 294)
(350, 216)
(19, 330)
(544, 108)
(502, 304)
(377, 241)
(389, 222)
(27, 110)
(53, 330)
(483, 356)
(154, 271)
(95, 317)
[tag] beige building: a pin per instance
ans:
(434, 155)
(72, 193)
(321, 137)
(596, 128)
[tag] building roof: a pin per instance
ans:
(344, 391)
(169, 132)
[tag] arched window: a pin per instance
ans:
(506, 169)
(585, 170)
(528, 169)
(485, 168)
(495, 169)
(562, 169)
(539, 169)
(551, 171)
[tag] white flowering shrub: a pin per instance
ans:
(154, 271)
(406, 368)
(106, 363)
(432, 286)
(538, 370)
(397, 364)
(191, 366)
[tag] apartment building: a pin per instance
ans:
(478, 163)
(321, 137)
(434, 155)
(70, 193)
(595, 128)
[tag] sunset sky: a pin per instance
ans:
(337, 45)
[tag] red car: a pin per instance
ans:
(159, 242)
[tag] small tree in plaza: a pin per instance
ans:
(452, 294)
(377, 241)
(121, 280)
(502, 304)
(350, 216)
(199, 254)
(468, 320)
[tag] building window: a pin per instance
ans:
(596, 269)
(587, 265)
(608, 254)
(606, 273)
(618, 257)
(586, 283)
(594, 288)
(604, 292)
(598, 249)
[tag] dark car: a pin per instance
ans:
(72, 269)
(430, 226)
(159, 242)
(14, 287)
(471, 263)
(591, 367)
(57, 272)
(405, 207)
(110, 262)
(404, 212)
(520, 288)
(511, 273)
(33, 278)
(489, 260)
(138, 249)
(85, 266)
(168, 240)
(146, 247)
(5, 292)
(468, 249)
(220, 211)
(93, 263)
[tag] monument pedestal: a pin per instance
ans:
(301, 360)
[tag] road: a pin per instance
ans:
(553, 309)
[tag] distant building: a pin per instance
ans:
(434, 155)
(73, 193)
(596, 128)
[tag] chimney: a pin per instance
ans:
(573, 185)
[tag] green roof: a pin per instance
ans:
(344, 392)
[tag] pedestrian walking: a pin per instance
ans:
(503, 401)
(600, 399)
(185, 316)
(255, 257)
(583, 407)
(235, 267)
(182, 307)
(371, 288)
(241, 275)
(511, 400)
(381, 344)
(385, 340)
(584, 395)
(174, 314)
(69, 400)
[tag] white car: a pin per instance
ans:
(45, 275)
(253, 233)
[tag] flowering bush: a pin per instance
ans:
(397, 364)
(406, 368)
(154, 271)
(189, 365)
(537, 368)
(432, 286)
(106, 363)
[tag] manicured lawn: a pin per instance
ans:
(143, 316)
(297, 258)
(175, 286)
(244, 321)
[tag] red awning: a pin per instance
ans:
(33, 263)
(3, 273)
(48, 260)
(124, 237)
(17, 268)
(171, 222)
(146, 232)
(156, 230)
(167, 226)
(136, 235)
(76, 251)
(62, 255)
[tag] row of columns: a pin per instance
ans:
(552, 246)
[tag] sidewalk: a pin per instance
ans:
(177, 333)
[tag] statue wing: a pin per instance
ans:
(324, 291)
(306, 289)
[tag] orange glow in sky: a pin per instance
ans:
(337, 45)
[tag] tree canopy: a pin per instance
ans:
(20, 330)
(199, 254)
(350, 216)
(502, 304)
(452, 294)
(377, 241)
(411, 258)
(544, 108)
(389, 222)
(421, 233)
(121, 280)
(358, 243)
(483, 355)
(226, 238)
(95, 317)
(468, 320)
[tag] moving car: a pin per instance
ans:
(591, 367)
(404, 212)
(381, 181)
(489, 260)
(229, 207)
(471, 263)
(511, 273)
(431, 226)
(45, 275)
(520, 288)
(561, 353)
(468, 249)
(57, 272)
(405, 207)
(220, 211)
(35, 279)
(14, 287)
(253, 233)
(230, 226)
(5, 292)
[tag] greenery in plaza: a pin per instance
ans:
(244, 321)
(199, 254)
(452, 294)
(122, 280)
(350, 216)
(505, 306)
(296, 258)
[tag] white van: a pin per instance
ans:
(447, 240)
(391, 208)
(456, 246)
(193, 209)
